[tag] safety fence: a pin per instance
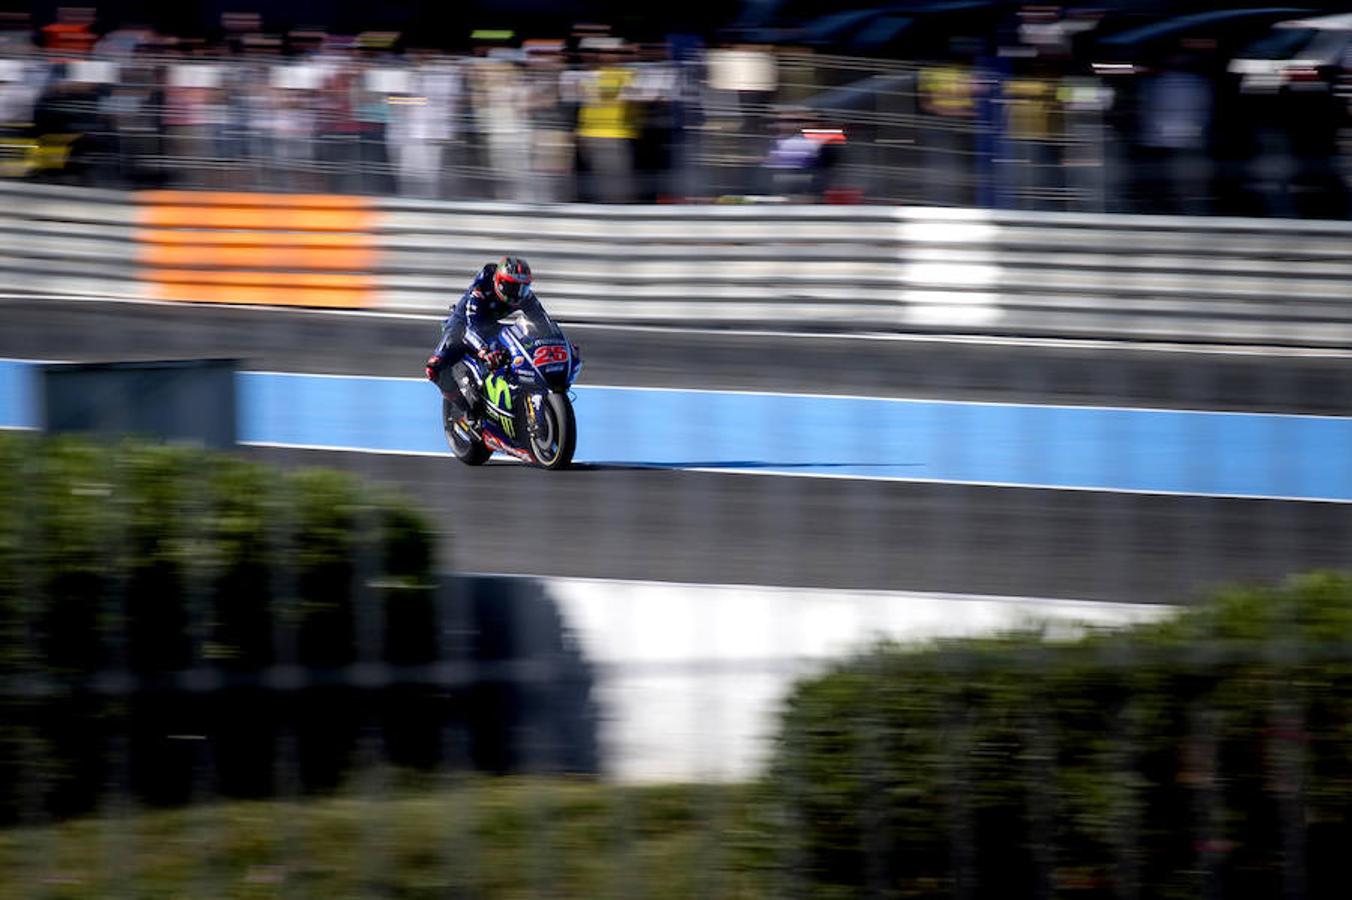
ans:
(847, 268)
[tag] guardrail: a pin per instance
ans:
(896, 269)
(834, 267)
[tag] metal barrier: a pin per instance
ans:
(847, 268)
(894, 269)
(56, 240)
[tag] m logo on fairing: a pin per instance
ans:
(499, 392)
(500, 402)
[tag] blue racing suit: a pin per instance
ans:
(473, 326)
(473, 322)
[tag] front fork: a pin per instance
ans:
(534, 419)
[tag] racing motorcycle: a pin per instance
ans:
(527, 411)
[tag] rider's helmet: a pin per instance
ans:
(511, 280)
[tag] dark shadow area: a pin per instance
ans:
(530, 706)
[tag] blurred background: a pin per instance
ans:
(962, 504)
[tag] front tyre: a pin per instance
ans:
(554, 437)
(466, 449)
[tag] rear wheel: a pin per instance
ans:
(555, 436)
(469, 451)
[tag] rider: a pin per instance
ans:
(498, 290)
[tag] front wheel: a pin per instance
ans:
(464, 446)
(554, 437)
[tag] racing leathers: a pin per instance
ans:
(472, 328)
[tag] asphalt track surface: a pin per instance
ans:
(668, 525)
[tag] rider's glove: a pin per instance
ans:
(433, 368)
(493, 359)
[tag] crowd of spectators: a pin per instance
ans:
(595, 118)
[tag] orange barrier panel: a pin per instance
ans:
(277, 249)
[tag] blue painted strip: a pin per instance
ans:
(392, 415)
(1163, 451)
(1065, 447)
(1133, 450)
(18, 394)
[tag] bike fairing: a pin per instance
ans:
(524, 395)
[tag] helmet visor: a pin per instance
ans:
(511, 289)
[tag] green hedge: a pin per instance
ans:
(1208, 755)
(110, 546)
(154, 559)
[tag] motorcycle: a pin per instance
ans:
(527, 411)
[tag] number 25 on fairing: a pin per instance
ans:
(549, 354)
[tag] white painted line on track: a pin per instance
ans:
(1047, 343)
(368, 451)
(335, 375)
(339, 448)
(1003, 485)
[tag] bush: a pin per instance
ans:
(1208, 754)
(152, 560)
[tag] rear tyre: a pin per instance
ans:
(555, 438)
(466, 448)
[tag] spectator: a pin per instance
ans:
(795, 162)
(20, 85)
(499, 99)
(193, 116)
(947, 97)
(655, 87)
(742, 80)
(1033, 124)
(290, 128)
(420, 120)
(1176, 107)
(371, 112)
(552, 121)
(606, 130)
